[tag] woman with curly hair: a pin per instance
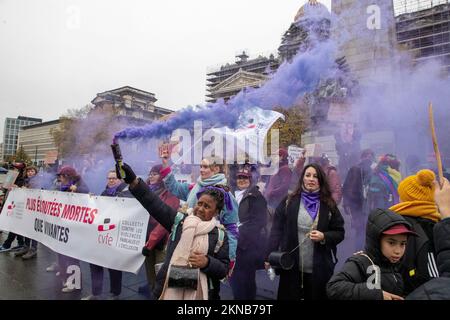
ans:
(197, 251)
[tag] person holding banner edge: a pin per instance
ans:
(18, 182)
(114, 188)
(195, 248)
(29, 251)
(70, 182)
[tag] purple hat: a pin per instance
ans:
(156, 168)
(244, 172)
(67, 171)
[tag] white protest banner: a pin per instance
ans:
(105, 231)
(294, 153)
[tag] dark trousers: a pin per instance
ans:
(11, 237)
(115, 279)
(242, 281)
(214, 290)
(306, 293)
(154, 257)
(292, 289)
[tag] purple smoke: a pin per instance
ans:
(285, 88)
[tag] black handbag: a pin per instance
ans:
(183, 277)
(281, 260)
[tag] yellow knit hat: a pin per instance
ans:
(418, 187)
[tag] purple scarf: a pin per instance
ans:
(311, 201)
(65, 187)
(111, 192)
(155, 187)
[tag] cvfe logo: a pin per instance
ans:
(106, 226)
(105, 238)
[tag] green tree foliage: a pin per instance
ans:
(10, 159)
(85, 131)
(295, 124)
(22, 156)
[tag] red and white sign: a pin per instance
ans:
(106, 231)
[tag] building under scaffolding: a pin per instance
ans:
(299, 34)
(232, 78)
(312, 21)
(423, 28)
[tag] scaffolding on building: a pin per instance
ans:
(410, 6)
(260, 65)
(425, 33)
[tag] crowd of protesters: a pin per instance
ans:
(232, 222)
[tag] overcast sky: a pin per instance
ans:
(58, 54)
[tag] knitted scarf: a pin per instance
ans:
(111, 191)
(391, 179)
(395, 175)
(215, 179)
(423, 209)
(156, 187)
(229, 218)
(194, 237)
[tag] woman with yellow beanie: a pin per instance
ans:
(418, 207)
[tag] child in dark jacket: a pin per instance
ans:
(375, 274)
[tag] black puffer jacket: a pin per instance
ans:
(420, 255)
(219, 262)
(351, 282)
(438, 288)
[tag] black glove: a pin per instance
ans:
(130, 176)
(145, 251)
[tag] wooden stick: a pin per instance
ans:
(436, 146)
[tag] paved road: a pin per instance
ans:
(28, 279)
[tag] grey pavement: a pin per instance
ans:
(28, 280)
